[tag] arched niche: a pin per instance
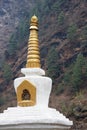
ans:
(26, 94)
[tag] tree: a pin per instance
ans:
(2, 101)
(61, 18)
(56, 7)
(18, 38)
(7, 73)
(12, 45)
(84, 33)
(22, 32)
(71, 33)
(52, 64)
(78, 72)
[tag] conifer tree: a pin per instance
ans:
(61, 18)
(7, 73)
(13, 44)
(71, 32)
(52, 64)
(78, 72)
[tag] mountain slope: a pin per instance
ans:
(62, 26)
(11, 12)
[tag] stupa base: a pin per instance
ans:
(33, 126)
(26, 118)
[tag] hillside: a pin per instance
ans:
(63, 28)
(11, 12)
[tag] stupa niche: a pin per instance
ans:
(33, 92)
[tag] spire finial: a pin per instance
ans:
(33, 57)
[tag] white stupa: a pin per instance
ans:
(33, 91)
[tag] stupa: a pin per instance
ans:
(33, 91)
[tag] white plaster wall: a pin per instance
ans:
(43, 88)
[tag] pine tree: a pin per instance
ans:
(61, 18)
(52, 64)
(84, 33)
(78, 72)
(7, 73)
(71, 33)
(13, 45)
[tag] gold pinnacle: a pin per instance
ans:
(33, 57)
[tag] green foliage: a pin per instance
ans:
(84, 33)
(7, 73)
(74, 77)
(78, 72)
(72, 32)
(18, 38)
(56, 7)
(61, 18)
(71, 109)
(13, 45)
(79, 95)
(52, 64)
(85, 68)
(62, 2)
(40, 6)
(64, 108)
(22, 32)
(67, 77)
(60, 89)
(2, 101)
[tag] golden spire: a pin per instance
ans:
(33, 57)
